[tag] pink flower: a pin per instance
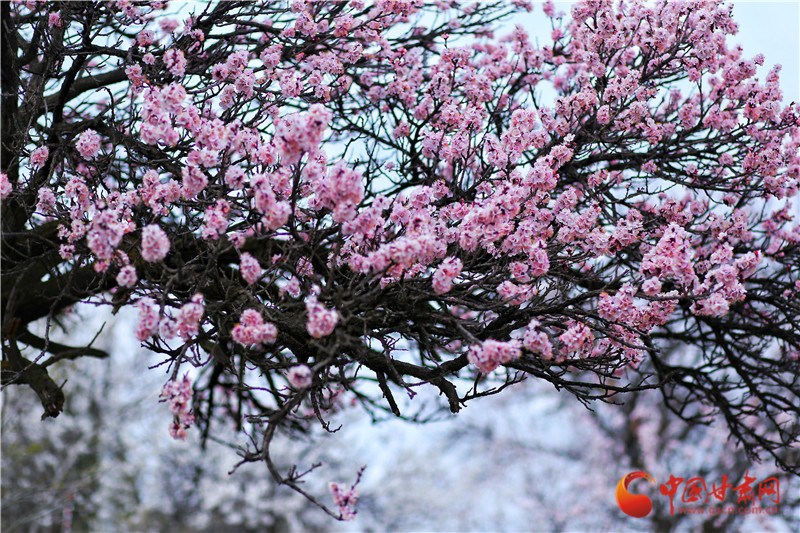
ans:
(301, 133)
(321, 320)
(299, 377)
(5, 186)
(234, 177)
(651, 286)
(155, 244)
(345, 498)
(714, 305)
(148, 319)
(54, 20)
(491, 353)
(134, 73)
(216, 221)
(47, 201)
(168, 25)
(252, 329)
(576, 338)
(250, 268)
(537, 341)
(671, 257)
(194, 181)
(188, 321)
(39, 156)
(88, 144)
(341, 190)
(178, 394)
(145, 38)
(175, 62)
(445, 274)
(127, 276)
(604, 115)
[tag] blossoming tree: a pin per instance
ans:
(314, 201)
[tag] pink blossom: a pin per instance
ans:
(168, 25)
(604, 115)
(39, 156)
(346, 499)
(189, 315)
(178, 394)
(402, 130)
(445, 274)
(46, 201)
(671, 257)
(54, 20)
(148, 319)
(216, 221)
(290, 84)
(714, 305)
(155, 244)
(292, 287)
(175, 62)
(66, 251)
(127, 276)
(252, 329)
(134, 74)
(321, 320)
(245, 82)
(537, 341)
(105, 233)
(234, 177)
(748, 263)
(576, 338)
(619, 307)
(145, 38)
(5, 186)
(88, 144)
(299, 377)
(539, 260)
(194, 180)
(490, 354)
(301, 133)
(250, 268)
(651, 286)
(341, 190)
(513, 293)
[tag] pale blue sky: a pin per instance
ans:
(773, 29)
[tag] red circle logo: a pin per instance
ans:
(636, 505)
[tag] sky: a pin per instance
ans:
(773, 29)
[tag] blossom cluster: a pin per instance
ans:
(187, 323)
(490, 354)
(149, 317)
(301, 133)
(536, 341)
(178, 395)
(252, 329)
(321, 320)
(300, 377)
(445, 274)
(250, 268)
(155, 243)
(88, 144)
(346, 498)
